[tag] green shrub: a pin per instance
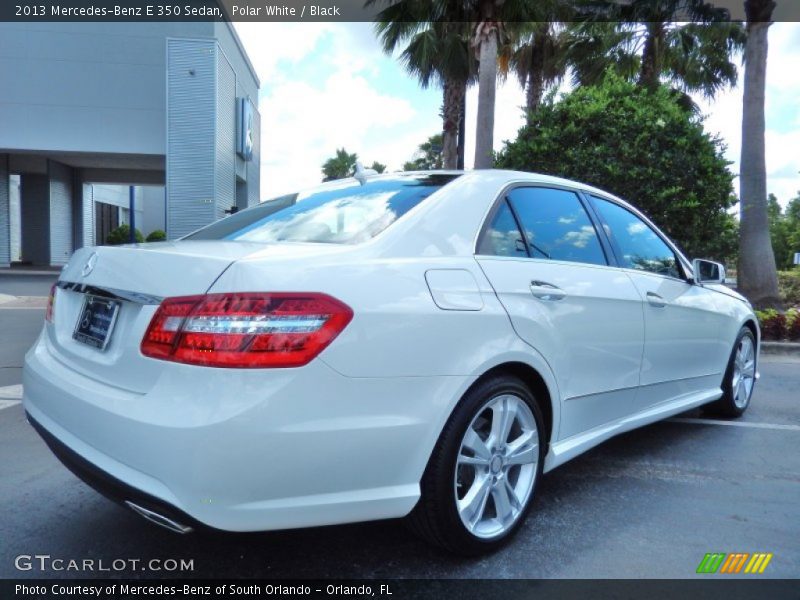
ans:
(122, 235)
(793, 326)
(778, 326)
(646, 148)
(789, 287)
(157, 236)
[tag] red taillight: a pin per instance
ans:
(51, 302)
(252, 330)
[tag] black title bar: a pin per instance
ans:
(290, 10)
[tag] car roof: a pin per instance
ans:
(509, 176)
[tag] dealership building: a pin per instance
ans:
(97, 119)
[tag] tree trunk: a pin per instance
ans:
(757, 278)
(487, 82)
(454, 92)
(535, 82)
(650, 71)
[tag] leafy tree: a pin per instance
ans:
(428, 155)
(641, 145)
(757, 276)
(340, 166)
(376, 166)
(122, 235)
(784, 231)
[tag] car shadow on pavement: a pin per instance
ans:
(575, 504)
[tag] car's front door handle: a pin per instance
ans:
(656, 300)
(547, 291)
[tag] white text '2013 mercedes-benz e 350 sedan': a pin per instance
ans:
(420, 345)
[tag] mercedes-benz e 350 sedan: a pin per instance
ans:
(416, 344)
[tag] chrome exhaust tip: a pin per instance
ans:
(159, 519)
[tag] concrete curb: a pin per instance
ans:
(53, 273)
(781, 348)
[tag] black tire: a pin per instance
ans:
(727, 406)
(435, 518)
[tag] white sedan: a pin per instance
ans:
(420, 345)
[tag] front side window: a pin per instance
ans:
(642, 248)
(556, 225)
(346, 213)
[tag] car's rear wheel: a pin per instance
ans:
(480, 480)
(740, 377)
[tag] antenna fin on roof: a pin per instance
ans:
(361, 173)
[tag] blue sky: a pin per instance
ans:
(328, 85)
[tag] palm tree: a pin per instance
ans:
(757, 277)
(538, 54)
(428, 155)
(339, 166)
(688, 43)
(436, 40)
(490, 31)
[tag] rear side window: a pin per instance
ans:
(346, 213)
(502, 236)
(556, 225)
(641, 247)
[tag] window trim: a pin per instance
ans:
(617, 250)
(503, 197)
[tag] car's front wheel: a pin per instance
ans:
(740, 377)
(480, 480)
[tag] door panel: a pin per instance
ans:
(681, 337)
(683, 322)
(583, 316)
(592, 337)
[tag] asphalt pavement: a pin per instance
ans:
(647, 504)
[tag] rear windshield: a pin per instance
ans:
(347, 213)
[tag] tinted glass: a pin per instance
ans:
(502, 237)
(345, 213)
(641, 247)
(556, 225)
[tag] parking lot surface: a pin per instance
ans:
(647, 504)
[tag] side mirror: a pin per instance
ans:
(707, 271)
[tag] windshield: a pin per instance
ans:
(344, 214)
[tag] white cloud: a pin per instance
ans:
(303, 125)
(270, 44)
(304, 120)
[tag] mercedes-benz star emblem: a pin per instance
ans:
(89, 266)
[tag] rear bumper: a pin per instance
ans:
(244, 450)
(109, 486)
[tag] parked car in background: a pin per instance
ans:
(420, 345)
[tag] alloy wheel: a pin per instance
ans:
(496, 466)
(744, 370)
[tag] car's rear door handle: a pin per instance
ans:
(547, 291)
(656, 300)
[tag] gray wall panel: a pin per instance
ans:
(5, 213)
(191, 104)
(87, 214)
(224, 176)
(254, 166)
(60, 213)
(16, 239)
(94, 87)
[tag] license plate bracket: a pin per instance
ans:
(96, 321)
